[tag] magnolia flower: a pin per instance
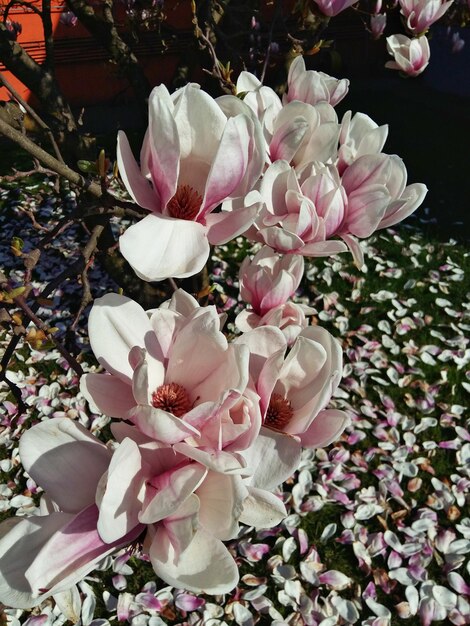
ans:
(269, 280)
(290, 318)
(333, 7)
(192, 159)
(266, 283)
(299, 218)
(305, 210)
(296, 132)
(172, 374)
(98, 501)
(359, 135)
(295, 389)
(421, 14)
(175, 377)
(411, 55)
(313, 87)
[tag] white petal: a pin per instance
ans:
(66, 460)
(205, 566)
(160, 247)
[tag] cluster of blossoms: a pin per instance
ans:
(204, 428)
(411, 53)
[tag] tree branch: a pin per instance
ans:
(48, 160)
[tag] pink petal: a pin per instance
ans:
(325, 428)
(164, 145)
(222, 500)
(231, 163)
(166, 492)
(124, 493)
(136, 184)
(262, 509)
(226, 225)
(72, 552)
(160, 425)
(109, 394)
(272, 458)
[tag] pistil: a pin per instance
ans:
(185, 204)
(279, 412)
(173, 398)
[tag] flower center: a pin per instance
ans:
(172, 398)
(279, 412)
(185, 204)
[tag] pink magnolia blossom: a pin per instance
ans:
(295, 389)
(38, 558)
(98, 501)
(289, 317)
(173, 374)
(296, 132)
(411, 55)
(268, 280)
(421, 14)
(304, 210)
(378, 21)
(175, 377)
(192, 159)
(266, 283)
(299, 218)
(359, 135)
(333, 7)
(313, 87)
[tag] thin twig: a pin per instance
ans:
(23, 305)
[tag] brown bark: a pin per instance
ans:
(41, 81)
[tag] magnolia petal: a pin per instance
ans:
(66, 460)
(287, 139)
(355, 249)
(20, 541)
(231, 162)
(413, 195)
(160, 425)
(164, 145)
(107, 394)
(198, 351)
(366, 208)
(281, 240)
(262, 509)
(165, 324)
(124, 493)
(273, 457)
(323, 248)
(173, 248)
(166, 492)
(205, 566)
(182, 525)
(325, 428)
(136, 184)
(226, 225)
(115, 326)
(71, 552)
(215, 460)
(200, 123)
(222, 500)
(69, 603)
